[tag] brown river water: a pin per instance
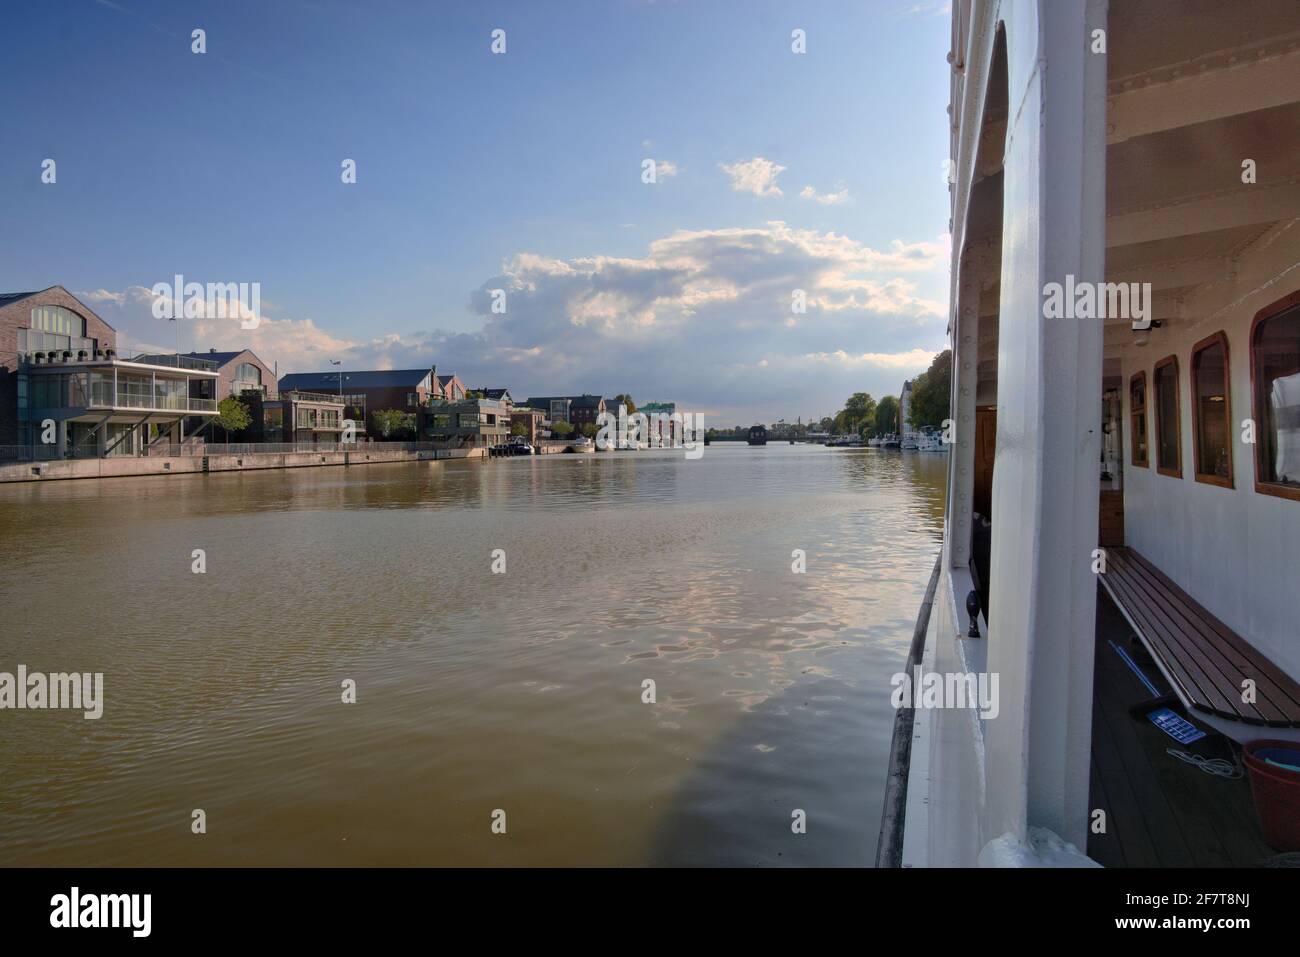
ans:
(476, 692)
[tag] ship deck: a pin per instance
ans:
(1159, 810)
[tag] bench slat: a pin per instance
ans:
(1232, 661)
(1282, 690)
(1194, 684)
(1206, 658)
(1213, 686)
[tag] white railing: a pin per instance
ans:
(285, 448)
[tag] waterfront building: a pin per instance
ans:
(365, 392)
(531, 419)
(60, 371)
(237, 373)
(660, 428)
(465, 422)
(905, 430)
(585, 410)
(578, 410)
(296, 416)
(553, 408)
(450, 387)
(240, 373)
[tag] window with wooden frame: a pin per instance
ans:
(1211, 412)
(1275, 397)
(1164, 395)
(1137, 410)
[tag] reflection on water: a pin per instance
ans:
(476, 691)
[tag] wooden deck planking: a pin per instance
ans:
(1161, 811)
(1105, 848)
(1143, 819)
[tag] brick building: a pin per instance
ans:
(366, 392)
(60, 373)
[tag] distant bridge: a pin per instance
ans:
(771, 439)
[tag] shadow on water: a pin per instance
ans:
(737, 809)
(820, 746)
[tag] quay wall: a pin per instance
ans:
(191, 464)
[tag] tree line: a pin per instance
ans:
(868, 417)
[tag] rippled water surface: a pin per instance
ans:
(476, 692)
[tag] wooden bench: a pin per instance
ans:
(1204, 660)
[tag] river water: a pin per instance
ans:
(476, 692)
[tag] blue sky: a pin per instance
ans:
(519, 171)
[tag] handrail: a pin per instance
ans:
(889, 846)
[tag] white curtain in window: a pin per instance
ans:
(1286, 415)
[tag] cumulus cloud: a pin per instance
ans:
(102, 295)
(665, 169)
(757, 176)
(703, 317)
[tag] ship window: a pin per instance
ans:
(1275, 371)
(1211, 412)
(1137, 389)
(1165, 395)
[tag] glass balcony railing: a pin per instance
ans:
(176, 361)
(102, 396)
(299, 396)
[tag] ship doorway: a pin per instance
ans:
(985, 217)
(1111, 522)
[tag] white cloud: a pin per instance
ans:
(103, 295)
(702, 317)
(757, 176)
(665, 169)
(929, 8)
(841, 195)
(918, 359)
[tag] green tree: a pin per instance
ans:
(931, 393)
(626, 400)
(589, 430)
(859, 409)
(519, 428)
(233, 415)
(390, 421)
(887, 415)
(561, 429)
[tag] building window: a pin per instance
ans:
(1275, 384)
(247, 376)
(1165, 394)
(1137, 403)
(1211, 411)
(56, 329)
(58, 320)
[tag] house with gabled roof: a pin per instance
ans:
(367, 391)
(65, 392)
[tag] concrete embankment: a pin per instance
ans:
(191, 464)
